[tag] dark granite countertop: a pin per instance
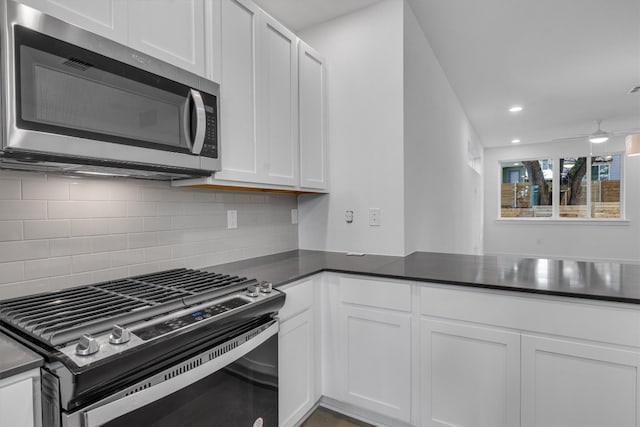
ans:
(594, 280)
(15, 359)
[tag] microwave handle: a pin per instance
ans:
(201, 121)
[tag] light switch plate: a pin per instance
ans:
(374, 217)
(232, 219)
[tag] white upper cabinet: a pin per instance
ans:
(313, 138)
(259, 97)
(240, 23)
(107, 18)
(170, 30)
(279, 103)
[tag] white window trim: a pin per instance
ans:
(555, 217)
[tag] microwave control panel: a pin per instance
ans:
(210, 146)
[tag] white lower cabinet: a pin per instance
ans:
(297, 354)
(398, 353)
(366, 344)
(566, 383)
(375, 349)
(20, 400)
(470, 375)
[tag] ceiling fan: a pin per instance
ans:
(599, 135)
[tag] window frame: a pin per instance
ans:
(555, 185)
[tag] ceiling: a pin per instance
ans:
(567, 62)
(299, 14)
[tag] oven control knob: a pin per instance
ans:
(119, 335)
(266, 287)
(253, 291)
(87, 346)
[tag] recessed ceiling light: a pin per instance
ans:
(515, 109)
(515, 141)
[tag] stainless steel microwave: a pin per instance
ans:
(73, 101)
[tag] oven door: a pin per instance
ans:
(233, 384)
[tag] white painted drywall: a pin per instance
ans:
(443, 194)
(572, 240)
(363, 51)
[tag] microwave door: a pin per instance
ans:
(85, 104)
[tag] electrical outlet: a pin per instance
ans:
(374, 217)
(294, 216)
(348, 216)
(232, 219)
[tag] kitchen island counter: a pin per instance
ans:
(605, 281)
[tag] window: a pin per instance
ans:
(573, 187)
(526, 189)
(587, 187)
(606, 195)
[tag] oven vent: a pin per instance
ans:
(78, 64)
(222, 350)
(182, 369)
(139, 388)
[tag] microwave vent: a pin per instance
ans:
(78, 64)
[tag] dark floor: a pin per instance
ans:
(323, 417)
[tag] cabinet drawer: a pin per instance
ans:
(375, 293)
(581, 319)
(299, 298)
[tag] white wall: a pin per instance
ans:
(562, 239)
(443, 195)
(365, 129)
(57, 232)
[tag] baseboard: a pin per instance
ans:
(358, 413)
(307, 415)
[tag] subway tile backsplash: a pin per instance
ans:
(57, 232)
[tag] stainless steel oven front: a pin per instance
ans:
(234, 383)
(70, 96)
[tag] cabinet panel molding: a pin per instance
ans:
(313, 117)
(296, 372)
(576, 384)
(376, 360)
(470, 375)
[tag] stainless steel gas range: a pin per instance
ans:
(179, 347)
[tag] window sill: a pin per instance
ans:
(564, 221)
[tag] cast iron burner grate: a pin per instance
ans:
(63, 316)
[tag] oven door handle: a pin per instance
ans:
(109, 411)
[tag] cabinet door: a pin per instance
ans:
(313, 138)
(170, 30)
(240, 24)
(107, 18)
(572, 384)
(470, 376)
(375, 361)
(16, 404)
(296, 368)
(278, 95)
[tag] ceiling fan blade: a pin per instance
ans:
(625, 132)
(571, 138)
